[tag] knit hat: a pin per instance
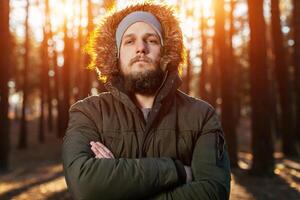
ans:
(137, 16)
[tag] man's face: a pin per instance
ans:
(140, 54)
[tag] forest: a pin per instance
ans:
(243, 58)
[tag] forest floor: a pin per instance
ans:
(36, 173)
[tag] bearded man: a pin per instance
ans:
(144, 138)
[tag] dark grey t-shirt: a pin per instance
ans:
(146, 112)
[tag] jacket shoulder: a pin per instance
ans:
(91, 102)
(194, 113)
(192, 102)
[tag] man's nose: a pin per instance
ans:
(141, 47)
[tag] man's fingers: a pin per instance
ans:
(97, 152)
(100, 150)
(104, 149)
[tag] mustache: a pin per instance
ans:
(140, 58)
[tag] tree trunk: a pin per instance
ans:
(23, 129)
(296, 27)
(58, 96)
(79, 64)
(187, 77)
(44, 77)
(233, 64)
(203, 80)
(214, 76)
(289, 140)
(262, 140)
(227, 87)
(56, 84)
(41, 135)
(5, 51)
(45, 81)
(49, 100)
(66, 81)
(47, 65)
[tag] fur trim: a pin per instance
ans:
(102, 44)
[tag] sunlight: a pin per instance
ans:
(57, 15)
(59, 11)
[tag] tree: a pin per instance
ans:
(57, 92)
(66, 80)
(262, 140)
(215, 70)
(214, 77)
(79, 64)
(203, 93)
(187, 77)
(227, 86)
(23, 129)
(41, 135)
(4, 77)
(282, 76)
(45, 81)
(49, 89)
(296, 33)
(233, 63)
(57, 95)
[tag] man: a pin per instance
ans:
(143, 139)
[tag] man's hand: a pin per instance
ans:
(189, 174)
(100, 150)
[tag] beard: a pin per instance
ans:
(145, 82)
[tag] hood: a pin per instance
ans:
(102, 43)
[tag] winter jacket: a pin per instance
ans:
(149, 155)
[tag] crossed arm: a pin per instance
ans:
(102, 152)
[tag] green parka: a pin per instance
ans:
(149, 155)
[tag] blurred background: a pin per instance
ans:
(243, 58)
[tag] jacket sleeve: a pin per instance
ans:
(210, 167)
(91, 178)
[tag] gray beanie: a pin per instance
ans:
(137, 16)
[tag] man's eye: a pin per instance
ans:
(128, 41)
(153, 41)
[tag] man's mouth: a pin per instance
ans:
(145, 60)
(142, 60)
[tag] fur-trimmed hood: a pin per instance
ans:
(102, 43)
